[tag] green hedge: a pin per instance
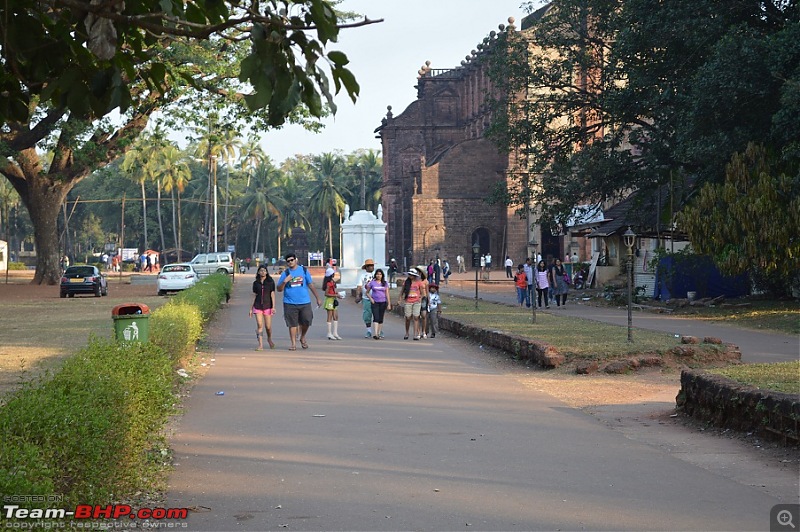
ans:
(84, 432)
(91, 431)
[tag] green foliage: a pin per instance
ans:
(207, 294)
(620, 95)
(751, 222)
(17, 266)
(89, 431)
(88, 62)
(175, 328)
(85, 431)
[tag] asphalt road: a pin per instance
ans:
(402, 435)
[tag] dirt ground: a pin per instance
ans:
(28, 346)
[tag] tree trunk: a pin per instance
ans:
(43, 200)
(144, 217)
(158, 208)
(175, 228)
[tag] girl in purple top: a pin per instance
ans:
(378, 293)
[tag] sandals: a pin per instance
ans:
(293, 348)
(304, 344)
(271, 344)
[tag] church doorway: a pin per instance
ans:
(481, 236)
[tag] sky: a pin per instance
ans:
(385, 58)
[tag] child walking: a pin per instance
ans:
(331, 304)
(521, 281)
(434, 309)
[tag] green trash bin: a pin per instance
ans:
(131, 322)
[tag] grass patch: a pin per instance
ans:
(573, 337)
(781, 316)
(780, 377)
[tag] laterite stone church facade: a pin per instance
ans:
(439, 169)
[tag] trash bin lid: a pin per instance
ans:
(126, 309)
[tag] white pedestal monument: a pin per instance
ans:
(363, 237)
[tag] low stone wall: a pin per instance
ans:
(727, 403)
(523, 348)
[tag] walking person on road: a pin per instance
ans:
(411, 294)
(542, 285)
(381, 300)
(521, 282)
(434, 309)
(263, 306)
(331, 303)
(295, 282)
(361, 294)
(558, 280)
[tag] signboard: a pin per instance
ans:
(129, 253)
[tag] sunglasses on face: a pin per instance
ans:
(290, 260)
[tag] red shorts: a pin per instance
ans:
(265, 312)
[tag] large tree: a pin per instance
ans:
(610, 96)
(68, 64)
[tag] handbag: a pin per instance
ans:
(566, 278)
(335, 303)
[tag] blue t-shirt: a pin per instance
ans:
(296, 292)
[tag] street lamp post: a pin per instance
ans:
(532, 292)
(214, 169)
(476, 249)
(630, 238)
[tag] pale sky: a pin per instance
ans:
(385, 58)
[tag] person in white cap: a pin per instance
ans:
(331, 304)
(361, 294)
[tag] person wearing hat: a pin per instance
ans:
(361, 294)
(411, 294)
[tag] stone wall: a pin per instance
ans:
(727, 403)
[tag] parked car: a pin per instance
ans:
(83, 279)
(208, 263)
(175, 277)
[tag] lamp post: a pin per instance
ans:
(532, 244)
(214, 169)
(476, 249)
(630, 238)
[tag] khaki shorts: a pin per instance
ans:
(412, 309)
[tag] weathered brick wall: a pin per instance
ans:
(726, 403)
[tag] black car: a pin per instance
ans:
(83, 279)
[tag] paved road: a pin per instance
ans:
(756, 346)
(403, 435)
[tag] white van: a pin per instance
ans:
(208, 263)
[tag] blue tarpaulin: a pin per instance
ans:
(676, 278)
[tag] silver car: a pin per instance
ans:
(208, 263)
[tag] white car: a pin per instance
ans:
(174, 277)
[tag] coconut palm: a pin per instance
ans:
(295, 214)
(263, 198)
(172, 169)
(251, 155)
(327, 189)
(138, 165)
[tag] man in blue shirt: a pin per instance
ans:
(295, 281)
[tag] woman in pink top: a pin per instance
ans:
(412, 293)
(542, 284)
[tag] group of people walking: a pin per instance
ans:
(421, 301)
(551, 283)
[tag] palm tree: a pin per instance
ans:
(172, 169)
(263, 197)
(138, 164)
(327, 188)
(295, 214)
(215, 145)
(251, 155)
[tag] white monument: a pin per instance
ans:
(3, 255)
(363, 237)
